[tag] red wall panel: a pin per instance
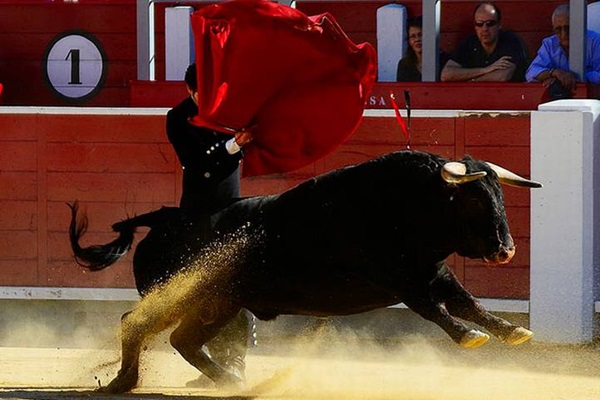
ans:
(18, 244)
(69, 274)
(111, 157)
(111, 187)
(18, 215)
(486, 129)
(105, 128)
(18, 272)
(517, 196)
(20, 159)
(18, 185)
(122, 165)
(498, 282)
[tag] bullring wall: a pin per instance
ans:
(117, 162)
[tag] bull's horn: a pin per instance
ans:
(456, 173)
(510, 178)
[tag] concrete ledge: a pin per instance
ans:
(92, 294)
(115, 294)
(83, 110)
(55, 293)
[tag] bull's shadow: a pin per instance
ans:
(355, 239)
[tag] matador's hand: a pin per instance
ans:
(242, 138)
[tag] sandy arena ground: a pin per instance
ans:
(322, 366)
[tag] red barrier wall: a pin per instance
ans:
(119, 165)
(425, 96)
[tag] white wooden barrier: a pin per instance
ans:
(565, 220)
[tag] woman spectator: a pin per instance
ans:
(410, 66)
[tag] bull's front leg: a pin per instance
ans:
(459, 302)
(437, 313)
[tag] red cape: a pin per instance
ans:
(297, 80)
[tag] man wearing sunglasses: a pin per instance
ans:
(551, 64)
(491, 54)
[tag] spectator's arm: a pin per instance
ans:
(593, 76)
(537, 72)
(540, 67)
(502, 70)
(454, 72)
(593, 71)
(499, 75)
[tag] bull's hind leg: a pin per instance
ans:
(460, 303)
(193, 332)
(137, 327)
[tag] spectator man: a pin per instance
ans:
(551, 64)
(491, 54)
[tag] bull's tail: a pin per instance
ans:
(97, 257)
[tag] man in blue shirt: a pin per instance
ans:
(491, 54)
(551, 63)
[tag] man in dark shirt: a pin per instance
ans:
(211, 180)
(491, 54)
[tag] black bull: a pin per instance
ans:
(353, 240)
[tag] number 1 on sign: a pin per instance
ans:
(73, 54)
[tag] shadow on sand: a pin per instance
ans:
(67, 394)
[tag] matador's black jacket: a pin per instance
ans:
(210, 173)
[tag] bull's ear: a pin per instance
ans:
(510, 178)
(456, 173)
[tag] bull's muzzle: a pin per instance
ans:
(503, 256)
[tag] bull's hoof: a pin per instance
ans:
(123, 382)
(230, 382)
(518, 336)
(202, 382)
(473, 339)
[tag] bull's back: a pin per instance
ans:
(344, 242)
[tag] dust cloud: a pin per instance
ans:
(348, 367)
(327, 362)
(331, 364)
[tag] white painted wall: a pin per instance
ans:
(179, 42)
(391, 40)
(564, 220)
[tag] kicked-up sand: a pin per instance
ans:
(322, 365)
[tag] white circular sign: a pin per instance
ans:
(75, 65)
